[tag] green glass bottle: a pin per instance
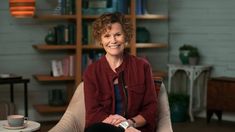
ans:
(50, 38)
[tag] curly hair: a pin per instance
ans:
(104, 22)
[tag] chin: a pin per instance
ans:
(115, 53)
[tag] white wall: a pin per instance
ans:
(19, 57)
(209, 25)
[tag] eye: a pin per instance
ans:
(119, 34)
(106, 35)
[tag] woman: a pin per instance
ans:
(119, 89)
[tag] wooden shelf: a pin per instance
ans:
(152, 17)
(151, 45)
(46, 109)
(96, 16)
(51, 78)
(144, 17)
(91, 46)
(54, 47)
(138, 45)
(90, 17)
(55, 17)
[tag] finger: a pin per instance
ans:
(114, 121)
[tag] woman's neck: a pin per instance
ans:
(114, 61)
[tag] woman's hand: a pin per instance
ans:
(132, 129)
(114, 119)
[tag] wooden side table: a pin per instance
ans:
(11, 82)
(193, 72)
(220, 96)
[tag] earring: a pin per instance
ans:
(126, 43)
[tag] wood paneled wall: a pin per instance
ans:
(210, 26)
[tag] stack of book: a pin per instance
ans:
(65, 7)
(140, 7)
(97, 7)
(63, 67)
(64, 34)
(89, 58)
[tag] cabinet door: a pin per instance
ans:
(213, 95)
(228, 99)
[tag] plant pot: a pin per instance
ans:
(178, 112)
(184, 56)
(193, 60)
(178, 107)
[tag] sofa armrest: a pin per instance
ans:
(73, 119)
(163, 120)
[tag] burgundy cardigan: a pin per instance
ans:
(99, 91)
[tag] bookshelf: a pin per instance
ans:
(46, 109)
(78, 48)
(46, 78)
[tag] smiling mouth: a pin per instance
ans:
(114, 46)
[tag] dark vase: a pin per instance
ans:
(142, 35)
(50, 38)
(184, 56)
(178, 112)
(178, 107)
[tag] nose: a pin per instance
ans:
(113, 39)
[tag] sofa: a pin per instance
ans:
(73, 119)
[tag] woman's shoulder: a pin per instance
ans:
(138, 60)
(94, 65)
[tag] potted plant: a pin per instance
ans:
(184, 52)
(193, 56)
(178, 103)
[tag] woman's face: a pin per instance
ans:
(113, 40)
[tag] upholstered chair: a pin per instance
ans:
(73, 119)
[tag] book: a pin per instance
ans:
(6, 76)
(139, 7)
(57, 68)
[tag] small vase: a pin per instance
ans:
(184, 56)
(50, 38)
(142, 35)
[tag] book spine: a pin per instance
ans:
(139, 7)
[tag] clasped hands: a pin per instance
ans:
(116, 120)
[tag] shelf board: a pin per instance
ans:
(138, 45)
(92, 46)
(54, 47)
(54, 17)
(144, 17)
(90, 17)
(96, 16)
(46, 109)
(152, 17)
(151, 45)
(47, 78)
